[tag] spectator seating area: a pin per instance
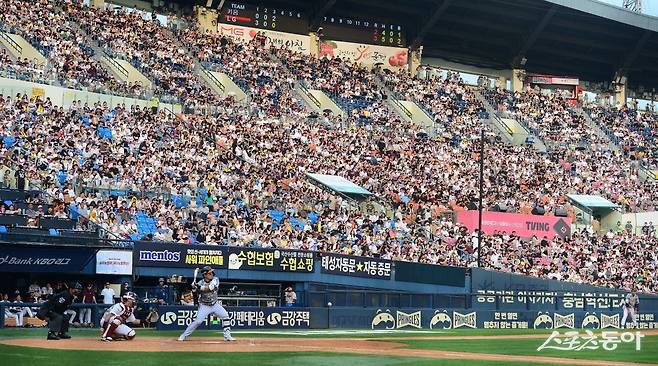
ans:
(551, 117)
(45, 25)
(239, 178)
(250, 66)
(635, 132)
(25, 216)
(453, 105)
(352, 87)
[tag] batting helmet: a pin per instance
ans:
(206, 269)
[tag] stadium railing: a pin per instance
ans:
(116, 64)
(11, 42)
(64, 238)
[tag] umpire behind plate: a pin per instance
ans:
(53, 311)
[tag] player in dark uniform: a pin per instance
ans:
(53, 311)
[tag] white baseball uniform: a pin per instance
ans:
(208, 304)
(632, 301)
(121, 314)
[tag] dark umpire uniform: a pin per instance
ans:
(53, 311)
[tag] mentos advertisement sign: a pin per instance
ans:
(524, 225)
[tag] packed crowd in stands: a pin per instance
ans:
(555, 119)
(250, 166)
(21, 69)
(352, 87)
(45, 26)
(250, 66)
(451, 103)
(635, 132)
(239, 178)
(152, 49)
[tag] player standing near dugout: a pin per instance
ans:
(631, 307)
(113, 322)
(208, 289)
(54, 310)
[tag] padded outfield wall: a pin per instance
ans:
(364, 292)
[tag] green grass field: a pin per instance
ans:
(19, 355)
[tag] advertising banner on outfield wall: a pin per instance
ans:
(149, 254)
(277, 260)
(39, 259)
(114, 262)
(296, 42)
(540, 300)
(392, 58)
(346, 265)
(179, 317)
(524, 225)
(155, 254)
(395, 318)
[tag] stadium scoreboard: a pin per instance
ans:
(296, 21)
(264, 17)
(364, 31)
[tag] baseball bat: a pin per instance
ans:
(196, 273)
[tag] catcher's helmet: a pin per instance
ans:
(207, 269)
(130, 295)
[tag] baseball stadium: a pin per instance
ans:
(328, 182)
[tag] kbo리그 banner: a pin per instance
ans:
(118, 262)
(20, 259)
(524, 225)
(295, 42)
(392, 58)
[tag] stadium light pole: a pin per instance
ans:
(481, 183)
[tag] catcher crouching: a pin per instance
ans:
(113, 323)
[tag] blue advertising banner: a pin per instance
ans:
(179, 317)
(44, 259)
(547, 300)
(395, 318)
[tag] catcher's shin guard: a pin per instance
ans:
(111, 327)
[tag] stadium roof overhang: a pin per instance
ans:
(583, 38)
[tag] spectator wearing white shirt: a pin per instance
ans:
(47, 290)
(34, 289)
(108, 294)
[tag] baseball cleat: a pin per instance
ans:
(229, 339)
(181, 339)
(52, 337)
(64, 336)
(106, 339)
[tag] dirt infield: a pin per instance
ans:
(338, 345)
